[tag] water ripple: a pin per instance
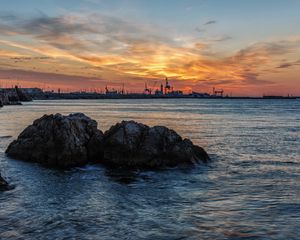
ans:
(250, 190)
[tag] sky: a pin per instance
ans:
(246, 48)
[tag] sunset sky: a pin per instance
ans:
(247, 48)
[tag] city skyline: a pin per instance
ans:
(246, 48)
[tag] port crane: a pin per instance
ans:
(218, 93)
(147, 90)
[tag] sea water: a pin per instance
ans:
(249, 190)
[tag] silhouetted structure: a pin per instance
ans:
(218, 93)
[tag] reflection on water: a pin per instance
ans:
(251, 190)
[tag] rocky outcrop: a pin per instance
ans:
(22, 95)
(58, 141)
(3, 184)
(8, 96)
(13, 96)
(135, 145)
(74, 140)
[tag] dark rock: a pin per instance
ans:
(9, 96)
(134, 145)
(74, 140)
(58, 141)
(95, 147)
(22, 96)
(122, 142)
(3, 184)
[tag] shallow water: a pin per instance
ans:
(250, 190)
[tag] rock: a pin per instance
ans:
(3, 184)
(74, 140)
(135, 145)
(95, 147)
(22, 95)
(9, 96)
(58, 141)
(122, 142)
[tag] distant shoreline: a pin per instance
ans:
(14, 96)
(143, 97)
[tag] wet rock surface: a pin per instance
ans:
(57, 140)
(3, 184)
(74, 140)
(135, 145)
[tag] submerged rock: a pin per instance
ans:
(58, 141)
(3, 184)
(135, 145)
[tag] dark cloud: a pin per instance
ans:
(248, 80)
(29, 58)
(43, 77)
(202, 29)
(7, 16)
(78, 32)
(48, 27)
(44, 26)
(257, 82)
(252, 78)
(289, 64)
(216, 82)
(285, 65)
(267, 49)
(210, 22)
(221, 38)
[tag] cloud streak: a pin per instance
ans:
(210, 22)
(289, 64)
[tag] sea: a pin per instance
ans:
(249, 190)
